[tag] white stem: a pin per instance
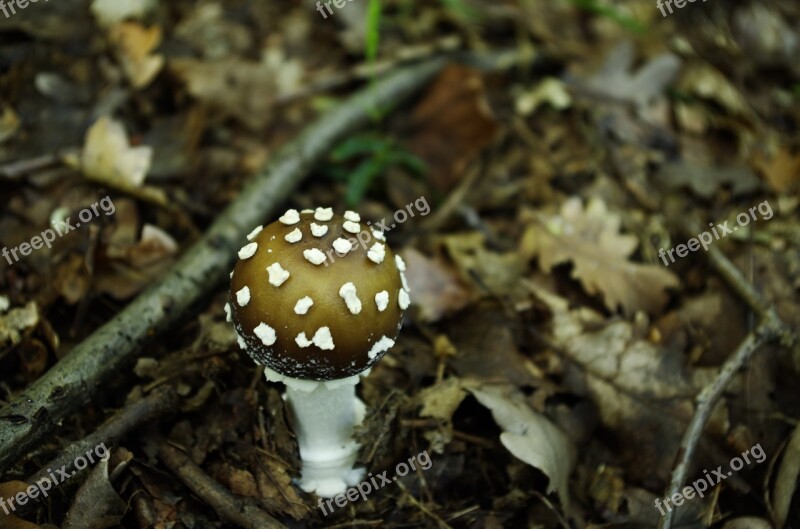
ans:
(324, 416)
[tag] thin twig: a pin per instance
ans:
(160, 402)
(770, 329)
(244, 512)
(418, 504)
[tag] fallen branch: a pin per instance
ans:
(71, 382)
(770, 329)
(244, 512)
(161, 401)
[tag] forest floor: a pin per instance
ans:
(599, 208)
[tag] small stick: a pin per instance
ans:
(161, 401)
(770, 329)
(243, 512)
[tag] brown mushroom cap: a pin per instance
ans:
(312, 319)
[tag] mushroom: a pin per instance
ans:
(318, 308)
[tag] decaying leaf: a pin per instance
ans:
(10, 521)
(16, 321)
(453, 124)
(134, 45)
(550, 91)
(529, 435)
(705, 81)
(437, 290)
(142, 261)
(589, 239)
(781, 171)
(108, 157)
(628, 377)
(497, 272)
(110, 12)
(246, 90)
(9, 123)
(440, 402)
(97, 504)
(706, 182)
(641, 87)
(787, 479)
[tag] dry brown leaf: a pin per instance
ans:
(498, 272)
(16, 321)
(278, 492)
(550, 91)
(781, 171)
(9, 123)
(643, 393)
(437, 290)
(707, 181)
(641, 87)
(97, 504)
(589, 239)
(108, 157)
(440, 402)
(747, 522)
(705, 81)
(9, 490)
(453, 124)
(110, 12)
(529, 435)
(136, 265)
(134, 45)
(243, 89)
(787, 479)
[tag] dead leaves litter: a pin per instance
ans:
(589, 238)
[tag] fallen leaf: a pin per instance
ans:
(134, 45)
(244, 89)
(616, 81)
(781, 171)
(706, 182)
(529, 435)
(9, 123)
(550, 91)
(440, 402)
(747, 522)
(17, 321)
(498, 272)
(628, 379)
(704, 81)
(110, 12)
(452, 124)
(208, 30)
(589, 239)
(484, 339)
(97, 504)
(437, 290)
(10, 521)
(108, 157)
(787, 479)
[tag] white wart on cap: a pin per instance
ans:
(311, 302)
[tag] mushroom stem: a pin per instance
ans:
(324, 416)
